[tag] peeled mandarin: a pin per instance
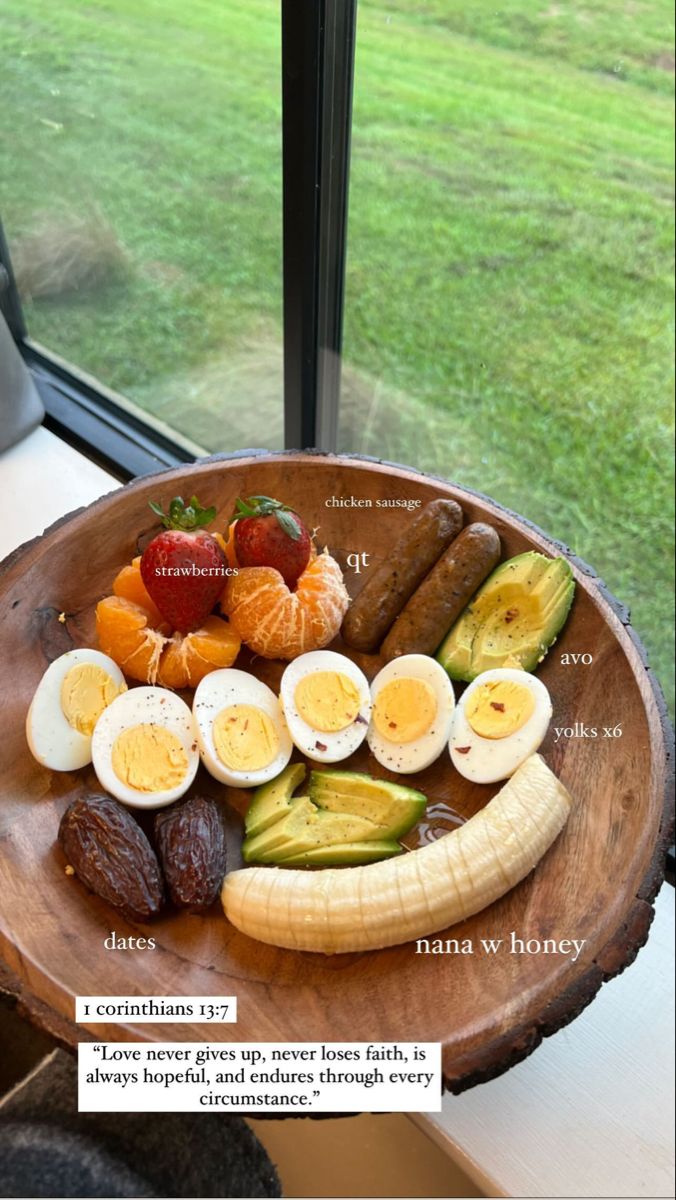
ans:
(147, 655)
(277, 623)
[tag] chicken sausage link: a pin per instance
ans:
(384, 595)
(435, 606)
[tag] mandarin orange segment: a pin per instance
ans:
(186, 660)
(129, 584)
(228, 547)
(124, 633)
(145, 653)
(174, 669)
(144, 663)
(216, 641)
(277, 623)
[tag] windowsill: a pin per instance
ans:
(42, 478)
(589, 1113)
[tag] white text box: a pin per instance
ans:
(173, 1010)
(259, 1077)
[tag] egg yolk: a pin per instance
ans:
(149, 758)
(496, 710)
(404, 710)
(245, 738)
(327, 701)
(85, 692)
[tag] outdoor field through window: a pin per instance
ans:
(141, 194)
(508, 317)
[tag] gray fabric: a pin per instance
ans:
(21, 409)
(39, 1160)
(47, 1148)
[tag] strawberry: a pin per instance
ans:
(270, 534)
(183, 568)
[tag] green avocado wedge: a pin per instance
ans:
(347, 818)
(273, 800)
(392, 805)
(306, 827)
(516, 615)
(347, 854)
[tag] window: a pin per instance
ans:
(144, 210)
(508, 298)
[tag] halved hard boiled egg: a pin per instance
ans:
(413, 702)
(327, 705)
(69, 700)
(500, 721)
(243, 738)
(144, 748)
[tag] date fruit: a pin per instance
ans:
(191, 845)
(111, 854)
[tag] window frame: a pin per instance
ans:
(317, 74)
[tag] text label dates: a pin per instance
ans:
(115, 942)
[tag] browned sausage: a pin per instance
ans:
(424, 622)
(384, 595)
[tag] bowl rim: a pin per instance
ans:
(498, 1054)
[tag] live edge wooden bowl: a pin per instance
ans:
(597, 883)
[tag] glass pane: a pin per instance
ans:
(140, 168)
(509, 305)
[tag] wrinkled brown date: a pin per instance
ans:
(191, 846)
(111, 854)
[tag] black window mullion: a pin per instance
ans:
(317, 77)
(301, 67)
(340, 17)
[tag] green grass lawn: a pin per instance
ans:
(509, 293)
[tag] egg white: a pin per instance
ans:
(144, 706)
(407, 757)
(492, 759)
(319, 745)
(220, 690)
(51, 739)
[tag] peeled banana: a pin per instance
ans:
(365, 908)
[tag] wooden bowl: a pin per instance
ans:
(488, 1010)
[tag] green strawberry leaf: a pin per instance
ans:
(187, 517)
(289, 524)
(266, 504)
(258, 506)
(176, 511)
(242, 509)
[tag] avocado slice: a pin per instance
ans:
(306, 827)
(516, 615)
(276, 834)
(389, 804)
(347, 854)
(273, 800)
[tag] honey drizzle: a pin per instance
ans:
(439, 819)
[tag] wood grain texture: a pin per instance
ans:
(597, 882)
